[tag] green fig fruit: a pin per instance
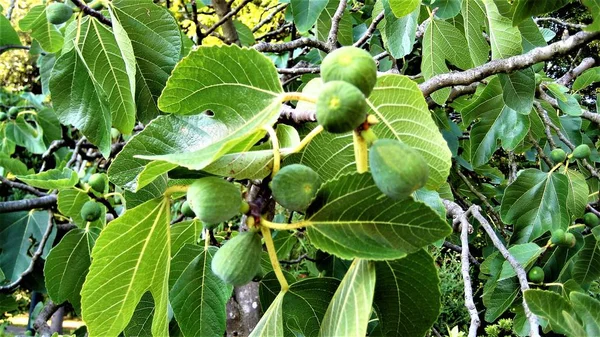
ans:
(591, 220)
(398, 170)
(558, 237)
(353, 65)
(214, 200)
(536, 275)
(582, 151)
(13, 112)
(98, 182)
(341, 107)
(186, 210)
(295, 186)
(570, 240)
(91, 211)
(3, 116)
(58, 13)
(558, 155)
(237, 262)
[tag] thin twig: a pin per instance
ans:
(299, 71)
(55, 145)
(23, 187)
(287, 46)
(480, 196)
(521, 275)
(512, 167)
(466, 273)
(11, 7)
(270, 17)
(561, 22)
(298, 260)
(9, 288)
(76, 151)
(570, 75)
(367, 35)
(92, 12)
(540, 151)
(335, 24)
(8, 47)
(41, 322)
(226, 17)
(451, 246)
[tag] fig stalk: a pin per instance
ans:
(266, 232)
(360, 153)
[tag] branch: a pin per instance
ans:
(298, 260)
(479, 195)
(55, 145)
(540, 151)
(299, 71)
(9, 288)
(27, 204)
(287, 46)
(225, 13)
(297, 116)
(92, 12)
(367, 35)
(521, 275)
(8, 47)
(507, 65)
(451, 246)
(465, 269)
(41, 322)
(561, 22)
(591, 116)
(335, 24)
(570, 75)
(270, 17)
(76, 151)
(11, 7)
(23, 187)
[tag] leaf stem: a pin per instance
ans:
(175, 189)
(206, 239)
(360, 152)
(266, 232)
(304, 141)
(575, 226)
(283, 226)
(297, 96)
(276, 153)
(555, 167)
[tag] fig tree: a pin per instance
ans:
(591, 220)
(214, 200)
(582, 151)
(98, 182)
(341, 107)
(294, 187)
(536, 275)
(558, 155)
(397, 169)
(237, 262)
(58, 13)
(186, 210)
(353, 65)
(91, 211)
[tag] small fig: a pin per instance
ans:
(91, 211)
(341, 107)
(570, 240)
(3, 116)
(558, 237)
(186, 210)
(98, 182)
(13, 112)
(591, 220)
(58, 13)
(398, 170)
(582, 151)
(558, 155)
(294, 187)
(214, 200)
(237, 262)
(353, 65)
(536, 275)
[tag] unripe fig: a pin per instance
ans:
(3, 116)
(397, 169)
(186, 210)
(582, 151)
(591, 220)
(98, 182)
(245, 207)
(570, 240)
(237, 262)
(558, 155)
(558, 237)
(294, 187)
(91, 211)
(214, 200)
(58, 13)
(13, 112)
(341, 107)
(536, 275)
(353, 65)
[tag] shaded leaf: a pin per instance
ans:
(51, 179)
(306, 13)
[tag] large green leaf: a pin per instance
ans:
(587, 264)
(499, 296)
(198, 296)
(184, 232)
(518, 90)
(16, 233)
(349, 311)
(51, 179)
(442, 41)
(401, 8)
(496, 122)
(8, 35)
(306, 13)
(545, 208)
(130, 257)
(157, 47)
(578, 193)
(398, 34)
(78, 100)
(588, 309)
(350, 218)
(271, 324)
(407, 295)
(473, 13)
(226, 72)
(67, 265)
(550, 306)
(109, 56)
(527, 8)
(504, 38)
(43, 31)
(70, 201)
(587, 78)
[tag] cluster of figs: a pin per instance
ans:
(349, 75)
